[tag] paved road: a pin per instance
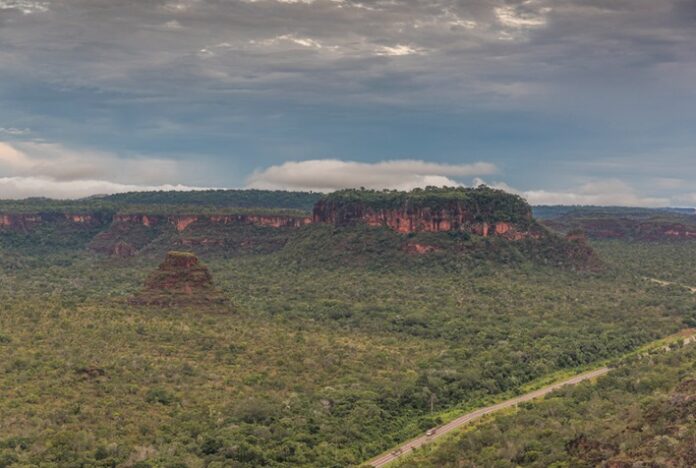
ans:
(404, 449)
(670, 283)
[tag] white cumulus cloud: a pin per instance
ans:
(325, 175)
(24, 187)
(30, 169)
(603, 192)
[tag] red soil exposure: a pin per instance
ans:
(420, 249)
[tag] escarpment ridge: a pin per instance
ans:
(422, 222)
(479, 211)
(631, 224)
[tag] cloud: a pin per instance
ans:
(12, 131)
(325, 175)
(685, 199)
(51, 170)
(24, 187)
(27, 7)
(398, 50)
(57, 162)
(522, 16)
(603, 192)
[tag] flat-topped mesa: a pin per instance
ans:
(482, 211)
(179, 260)
(180, 280)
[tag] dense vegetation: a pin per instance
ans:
(641, 414)
(361, 245)
(203, 201)
(277, 199)
(484, 203)
(312, 364)
(331, 345)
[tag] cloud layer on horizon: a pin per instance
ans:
(48, 170)
(325, 175)
(30, 169)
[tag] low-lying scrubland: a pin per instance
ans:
(310, 364)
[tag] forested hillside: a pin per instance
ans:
(328, 346)
(174, 201)
(641, 414)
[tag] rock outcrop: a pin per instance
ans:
(180, 280)
(182, 221)
(122, 249)
(482, 211)
(202, 231)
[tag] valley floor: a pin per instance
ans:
(309, 365)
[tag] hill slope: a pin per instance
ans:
(638, 415)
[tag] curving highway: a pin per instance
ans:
(439, 431)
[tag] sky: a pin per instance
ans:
(563, 102)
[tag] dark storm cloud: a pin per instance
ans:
(241, 85)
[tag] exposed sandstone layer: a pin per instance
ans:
(407, 219)
(183, 221)
(204, 231)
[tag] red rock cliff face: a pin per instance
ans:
(181, 222)
(145, 220)
(417, 220)
(27, 221)
(19, 221)
(81, 218)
